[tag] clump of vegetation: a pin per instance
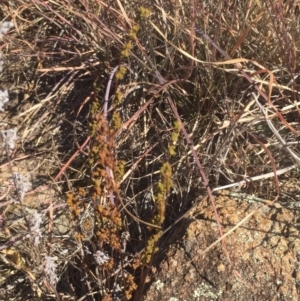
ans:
(96, 97)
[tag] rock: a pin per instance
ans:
(264, 252)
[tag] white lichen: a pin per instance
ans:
(204, 290)
(5, 27)
(50, 269)
(125, 236)
(35, 223)
(9, 138)
(101, 258)
(3, 94)
(21, 184)
(1, 62)
(159, 285)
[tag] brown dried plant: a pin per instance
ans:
(95, 88)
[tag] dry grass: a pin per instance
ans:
(91, 86)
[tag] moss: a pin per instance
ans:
(171, 149)
(133, 31)
(143, 13)
(116, 121)
(120, 171)
(118, 98)
(121, 72)
(161, 192)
